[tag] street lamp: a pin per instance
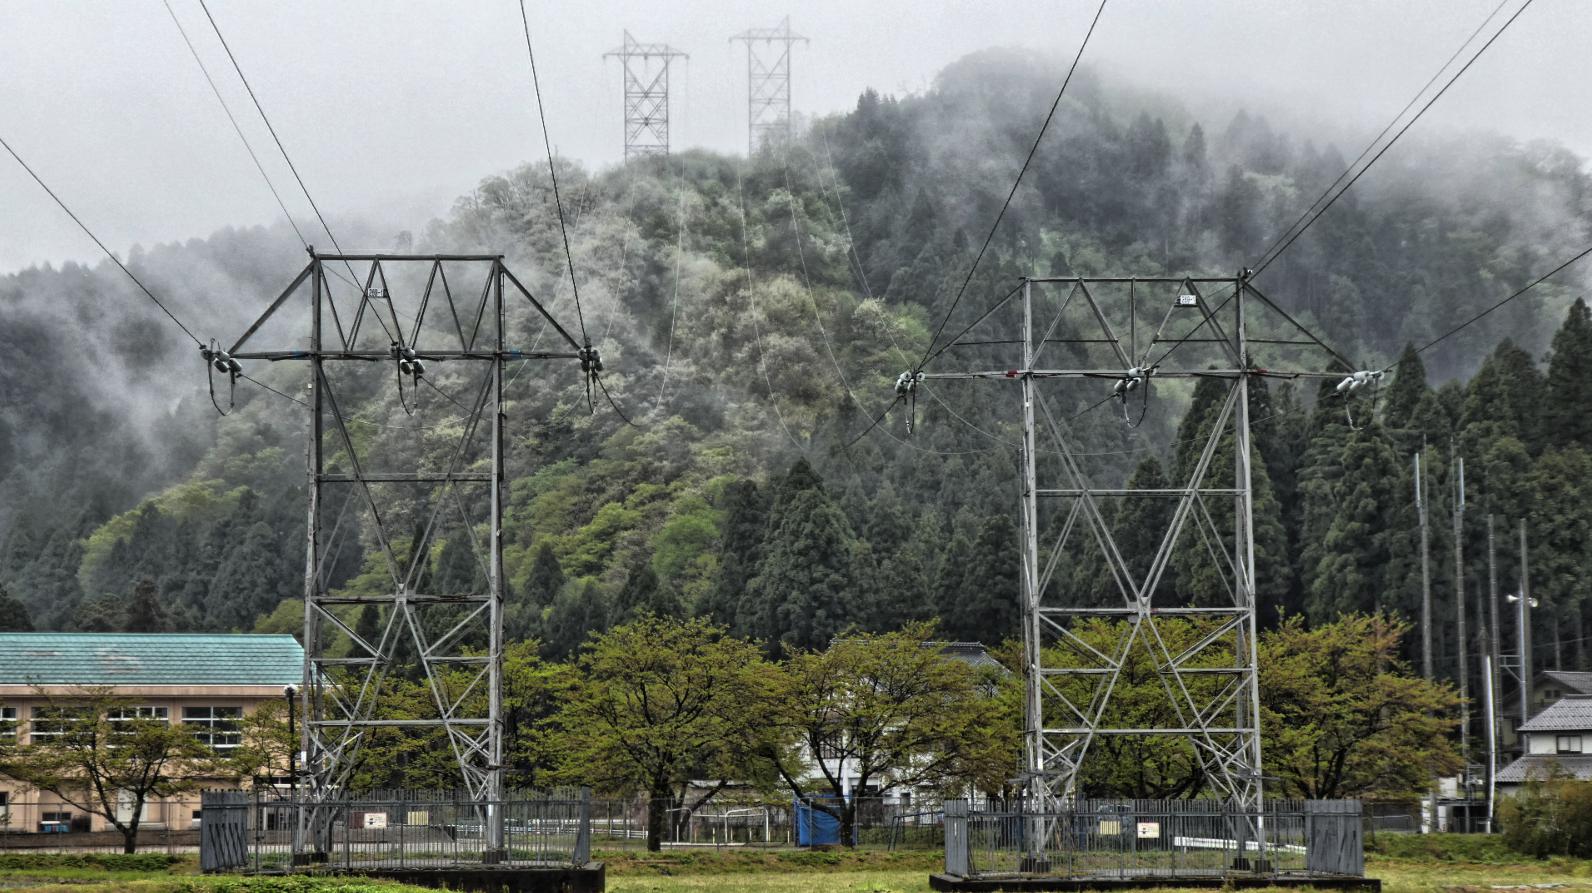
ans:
(1523, 633)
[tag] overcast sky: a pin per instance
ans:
(391, 109)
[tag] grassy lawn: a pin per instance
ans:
(1405, 865)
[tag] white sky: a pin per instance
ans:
(391, 109)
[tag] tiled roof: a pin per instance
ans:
(1544, 766)
(973, 654)
(1569, 713)
(149, 659)
(1572, 680)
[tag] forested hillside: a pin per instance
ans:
(753, 316)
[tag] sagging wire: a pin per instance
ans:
(906, 388)
(409, 364)
(218, 360)
(1136, 379)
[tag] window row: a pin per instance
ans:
(219, 727)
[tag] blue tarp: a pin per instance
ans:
(814, 827)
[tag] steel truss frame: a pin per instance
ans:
(456, 639)
(646, 95)
(1211, 683)
(768, 120)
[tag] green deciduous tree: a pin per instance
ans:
(889, 710)
(659, 702)
(1343, 716)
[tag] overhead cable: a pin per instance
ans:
(90, 233)
(552, 171)
(1378, 138)
(1271, 255)
(1013, 192)
(278, 140)
(1533, 284)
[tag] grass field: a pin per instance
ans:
(1439, 864)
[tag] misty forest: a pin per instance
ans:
(753, 317)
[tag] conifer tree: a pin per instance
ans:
(642, 595)
(1140, 524)
(1569, 385)
(546, 579)
(13, 614)
(253, 576)
(803, 594)
(744, 520)
(1504, 399)
(1560, 539)
(989, 609)
(1354, 564)
(145, 614)
(577, 612)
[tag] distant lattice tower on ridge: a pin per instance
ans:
(646, 94)
(768, 50)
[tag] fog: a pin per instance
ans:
(390, 110)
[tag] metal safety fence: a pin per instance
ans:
(1157, 838)
(395, 830)
(760, 822)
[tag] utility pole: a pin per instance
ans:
(1459, 615)
(646, 95)
(1526, 601)
(1488, 669)
(1496, 632)
(768, 84)
(1426, 569)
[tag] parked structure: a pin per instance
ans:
(207, 681)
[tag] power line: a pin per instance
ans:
(281, 148)
(235, 126)
(679, 257)
(1534, 283)
(751, 296)
(552, 171)
(1015, 183)
(114, 259)
(823, 333)
(238, 129)
(1266, 261)
(1394, 120)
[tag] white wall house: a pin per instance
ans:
(1559, 739)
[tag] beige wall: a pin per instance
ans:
(27, 806)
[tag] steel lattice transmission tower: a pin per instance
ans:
(372, 479)
(646, 68)
(768, 121)
(1093, 609)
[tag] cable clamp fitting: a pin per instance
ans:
(1131, 380)
(907, 383)
(220, 361)
(591, 361)
(408, 360)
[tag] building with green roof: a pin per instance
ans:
(206, 681)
